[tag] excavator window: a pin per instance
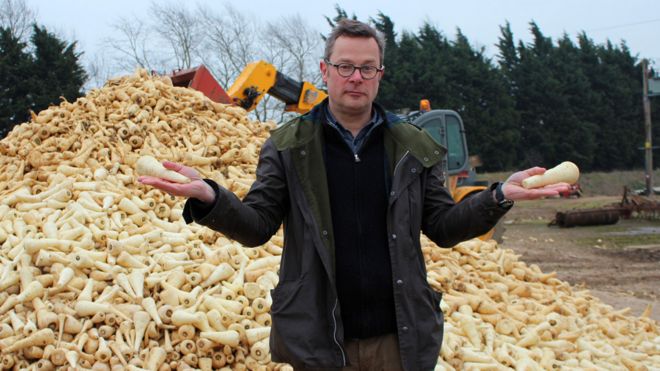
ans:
(446, 128)
(436, 129)
(456, 155)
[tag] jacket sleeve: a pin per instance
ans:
(447, 223)
(254, 220)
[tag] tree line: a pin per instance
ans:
(536, 103)
(35, 74)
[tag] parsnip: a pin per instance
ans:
(148, 165)
(141, 320)
(39, 338)
(229, 337)
(566, 172)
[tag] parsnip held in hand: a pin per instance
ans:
(147, 165)
(566, 172)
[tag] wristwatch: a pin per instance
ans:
(499, 197)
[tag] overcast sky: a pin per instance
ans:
(635, 21)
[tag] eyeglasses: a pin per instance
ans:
(347, 70)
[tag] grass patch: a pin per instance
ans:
(536, 221)
(641, 239)
(562, 204)
(621, 241)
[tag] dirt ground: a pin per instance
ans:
(619, 263)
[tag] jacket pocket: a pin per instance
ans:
(430, 319)
(299, 332)
(283, 344)
(284, 294)
(436, 297)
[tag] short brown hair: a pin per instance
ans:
(353, 28)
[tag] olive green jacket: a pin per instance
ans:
(291, 187)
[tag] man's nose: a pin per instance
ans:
(356, 76)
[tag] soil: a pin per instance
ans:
(619, 263)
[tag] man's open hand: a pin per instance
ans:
(513, 189)
(197, 188)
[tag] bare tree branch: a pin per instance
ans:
(180, 28)
(300, 43)
(17, 17)
(98, 72)
(232, 37)
(131, 45)
(294, 48)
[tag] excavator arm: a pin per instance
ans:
(256, 80)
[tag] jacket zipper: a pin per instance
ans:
(356, 158)
(399, 163)
(334, 335)
(364, 144)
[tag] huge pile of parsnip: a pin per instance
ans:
(98, 271)
(501, 313)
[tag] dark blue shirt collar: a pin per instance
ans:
(354, 142)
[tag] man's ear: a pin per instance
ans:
(324, 69)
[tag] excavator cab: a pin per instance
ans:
(446, 127)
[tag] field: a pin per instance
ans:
(618, 263)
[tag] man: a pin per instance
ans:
(354, 186)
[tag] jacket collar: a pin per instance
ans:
(401, 137)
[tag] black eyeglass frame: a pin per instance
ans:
(354, 67)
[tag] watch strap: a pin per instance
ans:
(499, 196)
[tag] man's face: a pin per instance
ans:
(353, 94)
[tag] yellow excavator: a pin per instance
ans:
(260, 78)
(256, 80)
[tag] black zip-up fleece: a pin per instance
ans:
(358, 205)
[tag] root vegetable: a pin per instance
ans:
(198, 319)
(136, 280)
(103, 353)
(205, 364)
(221, 272)
(141, 320)
(566, 172)
(40, 338)
(88, 308)
(72, 358)
(148, 165)
(149, 306)
(72, 325)
(156, 358)
(228, 337)
(46, 319)
(65, 276)
(256, 334)
(260, 350)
